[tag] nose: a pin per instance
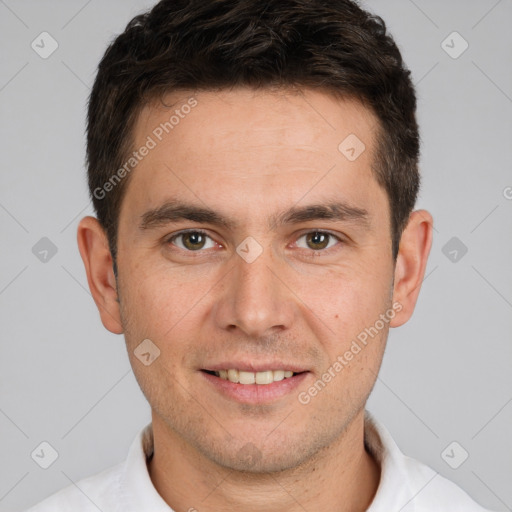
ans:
(255, 297)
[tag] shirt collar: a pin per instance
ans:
(137, 490)
(394, 490)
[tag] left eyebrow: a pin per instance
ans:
(335, 211)
(174, 210)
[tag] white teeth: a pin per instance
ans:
(242, 377)
(246, 377)
(278, 375)
(265, 377)
(233, 375)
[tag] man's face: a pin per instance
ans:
(276, 287)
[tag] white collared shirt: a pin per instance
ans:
(406, 485)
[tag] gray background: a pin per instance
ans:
(447, 373)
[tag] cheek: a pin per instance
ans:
(157, 308)
(149, 305)
(345, 301)
(353, 334)
(160, 304)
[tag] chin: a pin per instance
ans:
(261, 457)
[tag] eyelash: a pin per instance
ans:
(312, 252)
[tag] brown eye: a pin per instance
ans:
(192, 240)
(318, 240)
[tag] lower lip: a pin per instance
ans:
(256, 393)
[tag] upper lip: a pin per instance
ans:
(255, 366)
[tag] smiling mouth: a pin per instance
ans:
(248, 378)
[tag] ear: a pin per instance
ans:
(410, 265)
(93, 246)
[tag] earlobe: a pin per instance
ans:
(411, 263)
(93, 246)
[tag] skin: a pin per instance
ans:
(249, 155)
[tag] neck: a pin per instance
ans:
(344, 477)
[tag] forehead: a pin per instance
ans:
(265, 147)
(313, 119)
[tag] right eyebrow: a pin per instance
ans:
(172, 211)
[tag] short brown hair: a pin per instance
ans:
(219, 44)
